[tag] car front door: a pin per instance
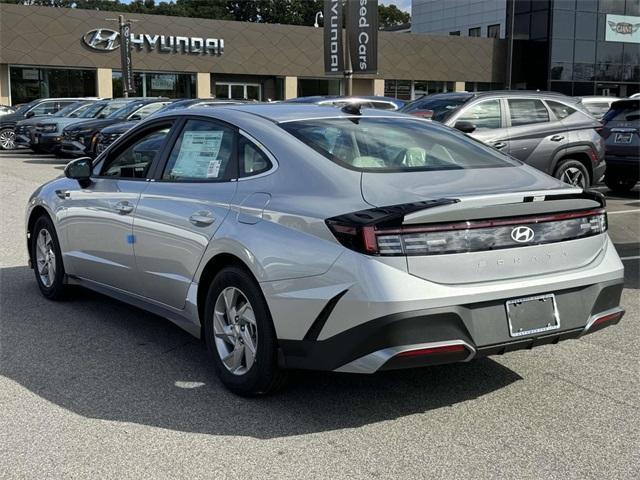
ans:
(180, 211)
(487, 116)
(98, 220)
(534, 135)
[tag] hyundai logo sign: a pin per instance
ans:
(522, 234)
(102, 39)
(107, 40)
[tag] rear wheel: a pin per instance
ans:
(47, 259)
(239, 334)
(7, 139)
(574, 173)
(618, 183)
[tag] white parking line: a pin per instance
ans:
(637, 257)
(624, 211)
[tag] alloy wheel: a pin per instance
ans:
(7, 139)
(574, 176)
(46, 258)
(235, 331)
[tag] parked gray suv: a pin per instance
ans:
(546, 130)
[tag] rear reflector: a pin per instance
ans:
(609, 318)
(445, 349)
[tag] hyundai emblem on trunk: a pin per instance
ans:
(522, 234)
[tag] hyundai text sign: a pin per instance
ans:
(362, 28)
(106, 40)
(622, 28)
(333, 51)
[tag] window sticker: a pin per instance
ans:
(198, 157)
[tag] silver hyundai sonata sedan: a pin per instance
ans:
(309, 237)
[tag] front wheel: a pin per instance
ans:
(47, 259)
(239, 334)
(7, 139)
(618, 183)
(574, 173)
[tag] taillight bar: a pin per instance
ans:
(470, 225)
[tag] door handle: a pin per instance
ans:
(201, 219)
(556, 138)
(123, 208)
(63, 194)
(499, 145)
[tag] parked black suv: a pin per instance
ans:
(37, 108)
(621, 132)
(546, 130)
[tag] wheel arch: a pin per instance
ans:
(37, 212)
(579, 154)
(214, 265)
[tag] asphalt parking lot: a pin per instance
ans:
(93, 388)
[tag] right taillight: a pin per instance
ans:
(469, 236)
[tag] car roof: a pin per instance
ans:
(286, 112)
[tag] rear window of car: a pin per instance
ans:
(441, 108)
(623, 114)
(394, 144)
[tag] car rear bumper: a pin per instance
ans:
(451, 334)
(627, 164)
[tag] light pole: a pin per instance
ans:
(318, 15)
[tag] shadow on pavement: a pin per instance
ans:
(103, 359)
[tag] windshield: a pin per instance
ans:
(92, 110)
(394, 145)
(118, 109)
(440, 108)
(22, 109)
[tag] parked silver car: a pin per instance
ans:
(546, 130)
(305, 237)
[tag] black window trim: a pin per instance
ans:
(127, 140)
(259, 145)
(232, 173)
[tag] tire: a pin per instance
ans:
(51, 286)
(227, 334)
(574, 173)
(7, 139)
(618, 183)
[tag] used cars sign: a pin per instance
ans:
(362, 27)
(107, 40)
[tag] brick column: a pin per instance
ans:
(4, 85)
(290, 87)
(104, 83)
(203, 85)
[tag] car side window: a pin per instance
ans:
(253, 160)
(203, 152)
(147, 110)
(136, 159)
(560, 110)
(484, 115)
(44, 108)
(527, 111)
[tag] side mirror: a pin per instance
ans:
(464, 126)
(29, 114)
(80, 170)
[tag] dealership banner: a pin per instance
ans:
(362, 29)
(333, 48)
(622, 28)
(125, 56)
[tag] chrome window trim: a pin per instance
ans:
(263, 149)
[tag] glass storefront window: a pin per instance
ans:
(238, 91)
(563, 24)
(610, 72)
(308, 87)
(586, 26)
(562, 50)
(561, 71)
(585, 51)
(152, 84)
(398, 89)
(611, 52)
(31, 83)
(612, 6)
(583, 71)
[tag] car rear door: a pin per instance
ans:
(98, 219)
(180, 211)
(534, 133)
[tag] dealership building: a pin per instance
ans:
(48, 52)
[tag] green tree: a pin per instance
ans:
(389, 16)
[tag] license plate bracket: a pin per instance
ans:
(532, 315)
(623, 137)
